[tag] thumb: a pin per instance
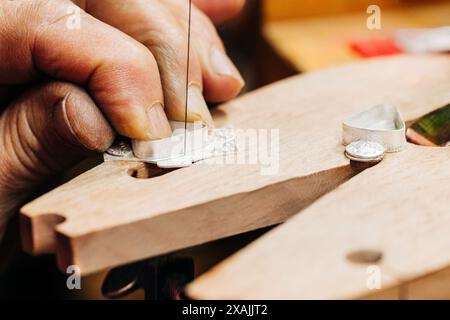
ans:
(44, 132)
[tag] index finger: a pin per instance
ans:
(61, 40)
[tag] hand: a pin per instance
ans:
(65, 91)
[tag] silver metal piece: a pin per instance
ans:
(365, 151)
(224, 141)
(181, 162)
(185, 139)
(168, 153)
(382, 124)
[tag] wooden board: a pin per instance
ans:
(399, 208)
(105, 217)
(310, 43)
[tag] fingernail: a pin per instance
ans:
(159, 124)
(223, 66)
(197, 107)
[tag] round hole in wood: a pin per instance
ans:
(147, 171)
(365, 256)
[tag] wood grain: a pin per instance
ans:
(105, 217)
(399, 208)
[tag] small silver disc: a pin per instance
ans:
(365, 151)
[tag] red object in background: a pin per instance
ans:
(375, 47)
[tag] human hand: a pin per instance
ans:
(65, 91)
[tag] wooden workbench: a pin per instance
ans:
(314, 41)
(399, 208)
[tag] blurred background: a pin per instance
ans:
(269, 41)
(274, 39)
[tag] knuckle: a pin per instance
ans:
(138, 57)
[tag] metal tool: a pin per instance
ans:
(161, 278)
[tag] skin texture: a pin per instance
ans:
(65, 91)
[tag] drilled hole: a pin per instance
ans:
(365, 256)
(147, 171)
